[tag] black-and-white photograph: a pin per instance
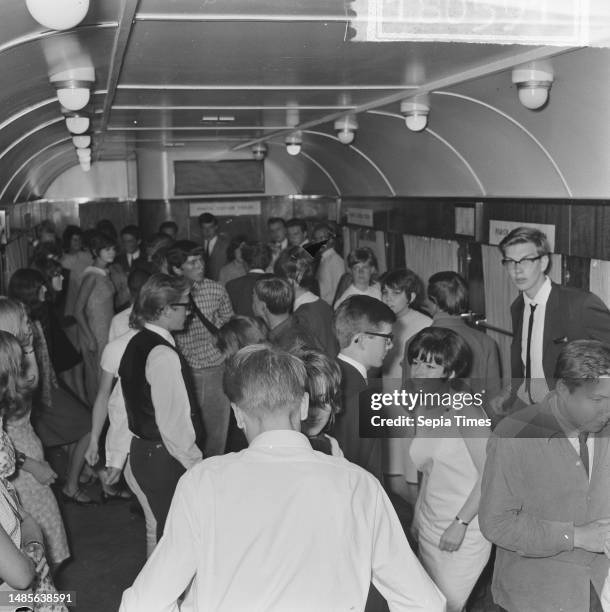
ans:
(304, 306)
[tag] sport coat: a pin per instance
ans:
(534, 491)
(571, 314)
(217, 258)
(240, 292)
(121, 260)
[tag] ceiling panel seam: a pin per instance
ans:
(42, 126)
(517, 124)
(322, 169)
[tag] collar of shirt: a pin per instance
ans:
(279, 328)
(306, 241)
(211, 243)
(307, 298)
(133, 256)
(256, 271)
(96, 270)
(353, 363)
(441, 317)
(161, 331)
(543, 294)
(280, 437)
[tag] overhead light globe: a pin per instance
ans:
(259, 151)
(346, 128)
(416, 111)
(293, 143)
(85, 166)
(77, 124)
(533, 81)
(81, 142)
(73, 98)
(58, 14)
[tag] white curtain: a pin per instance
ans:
(426, 256)
(599, 279)
(499, 295)
(16, 256)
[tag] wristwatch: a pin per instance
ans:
(20, 460)
(461, 522)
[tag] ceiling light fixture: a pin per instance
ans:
(533, 81)
(346, 127)
(74, 87)
(259, 151)
(293, 143)
(85, 165)
(416, 111)
(82, 142)
(77, 124)
(59, 14)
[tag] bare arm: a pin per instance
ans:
(16, 569)
(100, 412)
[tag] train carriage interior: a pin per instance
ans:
(424, 130)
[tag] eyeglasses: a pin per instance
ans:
(389, 338)
(525, 262)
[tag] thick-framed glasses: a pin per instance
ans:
(389, 338)
(524, 263)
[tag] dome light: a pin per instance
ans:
(416, 111)
(293, 143)
(259, 151)
(533, 80)
(346, 127)
(58, 14)
(81, 142)
(77, 124)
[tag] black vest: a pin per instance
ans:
(136, 390)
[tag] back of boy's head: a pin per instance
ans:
(276, 293)
(449, 291)
(360, 313)
(362, 255)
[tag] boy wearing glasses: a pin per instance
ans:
(363, 326)
(546, 316)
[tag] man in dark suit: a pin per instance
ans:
(546, 316)
(256, 256)
(214, 245)
(544, 493)
(363, 326)
(130, 241)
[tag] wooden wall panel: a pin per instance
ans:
(590, 230)
(120, 213)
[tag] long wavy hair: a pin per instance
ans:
(12, 384)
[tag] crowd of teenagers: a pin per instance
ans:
(219, 387)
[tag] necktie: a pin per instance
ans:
(584, 451)
(528, 354)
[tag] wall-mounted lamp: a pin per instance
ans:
(77, 124)
(74, 87)
(346, 127)
(58, 14)
(259, 151)
(533, 80)
(82, 142)
(293, 143)
(416, 112)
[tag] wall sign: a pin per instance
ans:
(499, 229)
(360, 216)
(226, 209)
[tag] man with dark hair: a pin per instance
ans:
(363, 326)
(544, 499)
(297, 232)
(287, 528)
(257, 257)
(214, 245)
(331, 266)
(448, 294)
(170, 228)
(272, 302)
(197, 342)
(546, 316)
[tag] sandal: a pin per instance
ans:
(78, 497)
(116, 495)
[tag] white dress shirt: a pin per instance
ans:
(170, 401)
(538, 387)
(330, 271)
(280, 527)
(119, 324)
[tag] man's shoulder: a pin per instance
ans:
(208, 287)
(535, 421)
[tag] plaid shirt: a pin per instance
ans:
(195, 342)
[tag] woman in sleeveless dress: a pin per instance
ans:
(451, 457)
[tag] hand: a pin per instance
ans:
(592, 536)
(453, 537)
(496, 404)
(91, 454)
(41, 470)
(91, 344)
(111, 475)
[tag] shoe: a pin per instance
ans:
(79, 498)
(118, 495)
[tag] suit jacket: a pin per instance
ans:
(317, 318)
(365, 452)
(534, 491)
(485, 370)
(571, 314)
(290, 334)
(240, 292)
(121, 260)
(217, 258)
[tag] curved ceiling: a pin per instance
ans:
(195, 74)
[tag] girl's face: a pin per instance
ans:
(76, 244)
(362, 274)
(57, 281)
(107, 255)
(238, 257)
(426, 367)
(42, 293)
(396, 299)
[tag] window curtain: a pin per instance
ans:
(499, 295)
(599, 279)
(16, 256)
(426, 256)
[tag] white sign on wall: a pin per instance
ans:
(499, 229)
(226, 209)
(360, 216)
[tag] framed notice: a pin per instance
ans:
(499, 229)
(464, 220)
(229, 208)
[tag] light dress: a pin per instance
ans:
(449, 475)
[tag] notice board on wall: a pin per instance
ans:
(227, 176)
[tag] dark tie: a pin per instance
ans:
(207, 248)
(584, 451)
(528, 354)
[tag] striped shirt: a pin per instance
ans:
(195, 342)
